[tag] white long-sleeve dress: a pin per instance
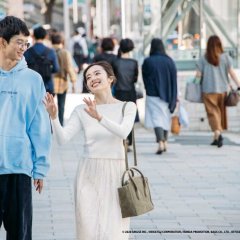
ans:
(98, 214)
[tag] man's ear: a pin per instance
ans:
(3, 42)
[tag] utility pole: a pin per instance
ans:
(66, 23)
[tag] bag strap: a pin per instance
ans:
(125, 144)
(35, 54)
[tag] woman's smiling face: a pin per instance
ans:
(97, 79)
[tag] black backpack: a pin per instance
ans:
(77, 49)
(41, 63)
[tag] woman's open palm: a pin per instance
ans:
(92, 110)
(50, 105)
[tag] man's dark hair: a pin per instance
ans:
(107, 44)
(126, 45)
(11, 26)
(56, 38)
(39, 33)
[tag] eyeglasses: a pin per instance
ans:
(22, 44)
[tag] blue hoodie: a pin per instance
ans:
(25, 132)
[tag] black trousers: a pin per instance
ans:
(161, 134)
(61, 97)
(16, 206)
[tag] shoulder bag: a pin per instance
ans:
(232, 98)
(134, 194)
(193, 91)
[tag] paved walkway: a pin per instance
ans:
(195, 188)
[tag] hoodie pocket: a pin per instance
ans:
(16, 152)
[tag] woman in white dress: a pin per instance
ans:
(98, 214)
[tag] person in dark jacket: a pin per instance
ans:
(126, 72)
(38, 50)
(106, 54)
(160, 81)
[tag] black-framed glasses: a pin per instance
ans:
(22, 44)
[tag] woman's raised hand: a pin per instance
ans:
(92, 110)
(50, 105)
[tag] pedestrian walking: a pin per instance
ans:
(160, 81)
(106, 54)
(101, 121)
(24, 131)
(61, 78)
(79, 48)
(212, 71)
(42, 59)
(126, 71)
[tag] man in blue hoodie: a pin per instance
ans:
(25, 131)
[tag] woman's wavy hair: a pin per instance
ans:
(214, 49)
(107, 68)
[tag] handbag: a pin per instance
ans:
(193, 91)
(175, 126)
(134, 194)
(183, 116)
(232, 98)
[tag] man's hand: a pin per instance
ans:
(38, 184)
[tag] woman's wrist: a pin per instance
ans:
(53, 117)
(99, 118)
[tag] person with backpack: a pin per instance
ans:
(79, 48)
(42, 59)
(61, 78)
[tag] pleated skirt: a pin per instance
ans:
(98, 214)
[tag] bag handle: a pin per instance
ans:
(131, 171)
(125, 143)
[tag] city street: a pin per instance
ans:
(167, 52)
(195, 187)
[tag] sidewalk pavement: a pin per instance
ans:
(195, 188)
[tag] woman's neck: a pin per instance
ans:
(105, 98)
(125, 55)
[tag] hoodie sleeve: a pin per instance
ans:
(124, 128)
(39, 133)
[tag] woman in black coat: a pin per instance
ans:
(126, 71)
(160, 81)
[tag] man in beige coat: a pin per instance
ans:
(61, 78)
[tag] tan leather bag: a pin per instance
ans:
(175, 127)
